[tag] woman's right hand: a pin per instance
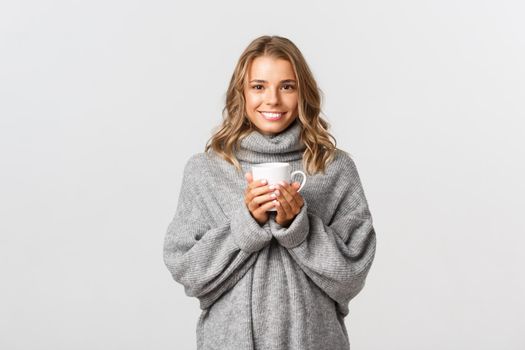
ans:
(259, 198)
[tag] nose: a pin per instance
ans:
(272, 96)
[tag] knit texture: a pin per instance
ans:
(270, 287)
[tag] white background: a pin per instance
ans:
(102, 102)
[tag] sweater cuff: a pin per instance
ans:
(247, 233)
(296, 233)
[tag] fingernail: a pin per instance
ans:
(263, 181)
(281, 183)
(272, 187)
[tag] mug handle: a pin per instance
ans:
(304, 178)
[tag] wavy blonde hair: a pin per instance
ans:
(320, 150)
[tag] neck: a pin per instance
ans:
(285, 146)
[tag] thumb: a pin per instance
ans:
(249, 177)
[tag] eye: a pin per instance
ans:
(290, 86)
(255, 87)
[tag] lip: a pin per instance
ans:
(272, 119)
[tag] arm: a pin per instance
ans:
(207, 260)
(335, 256)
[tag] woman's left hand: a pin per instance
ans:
(289, 203)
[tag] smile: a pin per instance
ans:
(272, 115)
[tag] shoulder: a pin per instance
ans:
(195, 173)
(343, 163)
(197, 161)
(194, 166)
(202, 166)
(343, 171)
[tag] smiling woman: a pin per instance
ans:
(271, 279)
(270, 88)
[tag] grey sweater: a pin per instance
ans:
(270, 287)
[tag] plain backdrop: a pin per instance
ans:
(102, 102)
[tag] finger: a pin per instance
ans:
(297, 196)
(261, 190)
(264, 198)
(249, 177)
(260, 195)
(253, 205)
(293, 189)
(257, 183)
(290, 195)
(287, 193)
(283, 201)
(280, 212)
(256, 200)
(253, 184)
(265, 207)
(283, 213)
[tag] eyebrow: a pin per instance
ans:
(264, 81)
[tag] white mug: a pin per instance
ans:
(275, 172)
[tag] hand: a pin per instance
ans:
(289, 203)
(258, 200)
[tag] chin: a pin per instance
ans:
(276, 127)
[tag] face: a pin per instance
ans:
(271, 94)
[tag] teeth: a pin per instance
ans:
(272, 115)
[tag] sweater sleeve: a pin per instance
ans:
(209, 260)
(335, 256)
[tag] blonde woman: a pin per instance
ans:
(271, 279)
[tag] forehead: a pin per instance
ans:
(270, 69)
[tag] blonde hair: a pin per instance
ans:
(320, 150)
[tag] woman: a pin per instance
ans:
(271, 280)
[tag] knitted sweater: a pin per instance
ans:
(270, 287)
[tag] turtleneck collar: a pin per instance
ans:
(283, 147)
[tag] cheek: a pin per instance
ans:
(292, 102)
(252, 101)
